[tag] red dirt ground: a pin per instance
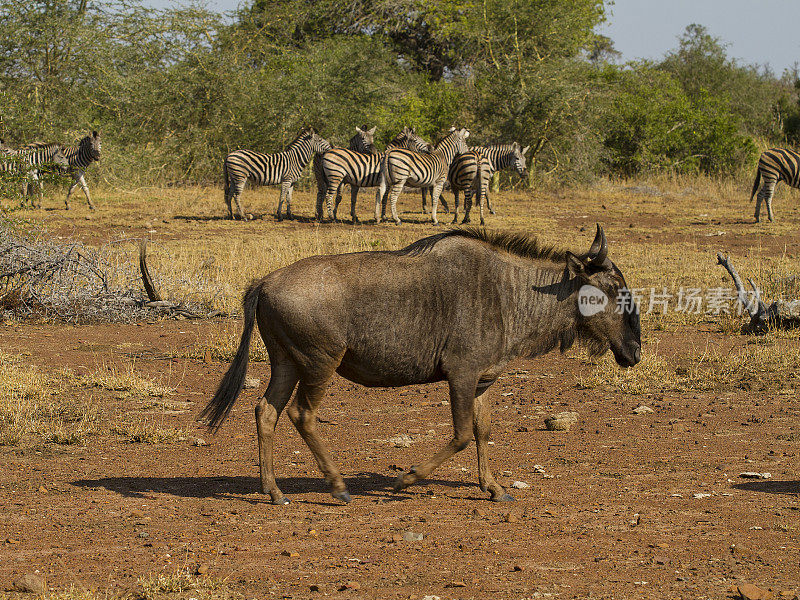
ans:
(100, 516)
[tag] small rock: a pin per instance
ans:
(455, 584)
(431, 598)
(397, 537)
(30, 583)
(350, 585)
(788, 594)
(517, 568)
(411, 536)
(313, 588)
(512, 517)
(702, 495)
(660, 560)
(251, 382)
(144, 534)
(520, 485)
(562, 421)
(642, 410)
(202, 569)
(479, 512)
(538, 469)
(199, 442)
(754, 475)
(748, 591)
(290, 553)
(42, 489)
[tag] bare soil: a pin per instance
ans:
(614, 517)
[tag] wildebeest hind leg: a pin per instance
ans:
(481, 427)
(303, 413)
(283, 378)
(462, 396)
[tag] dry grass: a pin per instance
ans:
(126, 382)
(182, 584)
(765, 365)
(147, 431)
(35, 403)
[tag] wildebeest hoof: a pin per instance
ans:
(343, 496)
(504, 498)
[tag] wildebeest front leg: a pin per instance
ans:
(482, 423)
(303, 413)
(462, 398)
(283, 378)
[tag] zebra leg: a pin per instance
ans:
(82, 182)
(379, 199)
(393, 195)
(437, 191)
(289, 200)
(488, 203)
(278, 215)
(322, 191)
(35, 177)
(444, 203)
(353, 197)
(468, 193)
(765, 193)
(424, 194)
(455, 206)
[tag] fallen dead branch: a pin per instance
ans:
(68, 281)
(779, 314)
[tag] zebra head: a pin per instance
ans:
(458, 138)
(411, 141)
(518, 159)
(364, 140)
(90, 146)
(59, 159)
(318, 143)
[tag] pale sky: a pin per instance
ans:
(756, 31)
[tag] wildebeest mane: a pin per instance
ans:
(514, 243)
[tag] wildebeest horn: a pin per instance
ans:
(599, 249)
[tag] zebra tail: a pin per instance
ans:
(755, 185)
(218, 409)
(479, 191)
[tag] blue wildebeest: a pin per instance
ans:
(461, 305)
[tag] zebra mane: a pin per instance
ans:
(514, 243)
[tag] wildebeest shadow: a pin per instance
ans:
(771, 487)
(359, 484)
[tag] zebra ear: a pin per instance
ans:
(466, 133)
(525, 149)
(372, 131)
(358, 129)
(453, 128)
(95, 134)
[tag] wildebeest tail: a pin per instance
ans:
(755, 185)
(217, 410)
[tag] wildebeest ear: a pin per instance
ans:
(576, 265)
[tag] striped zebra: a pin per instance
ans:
(359, 170)
(463, 170)
(80, 156)
(283, 168)
(328, 167)
(471, 173)
(775, 164)
(401, 167)
(28, 161)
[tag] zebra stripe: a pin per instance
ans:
(29, 160)
(359, 170)
(283, 168)
(471, 173)
(775, 164)
(401, 167)
(463, 171)
(80, 156)
(362, 142)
